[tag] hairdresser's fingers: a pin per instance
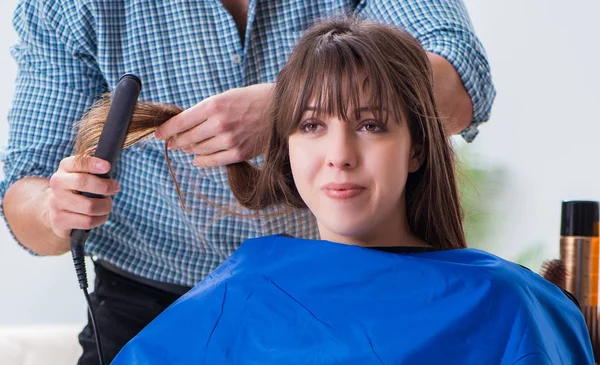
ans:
(77, 203)
(63, 222)
(199, 133)
(221, 158)
(215, 144)
(187, 119)
(68, 211)
(90, 164)
(82, 182)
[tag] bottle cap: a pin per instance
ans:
(579, 218)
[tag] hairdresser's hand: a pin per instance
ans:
(223, 129)
(65, 208)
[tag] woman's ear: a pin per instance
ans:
(417, 156)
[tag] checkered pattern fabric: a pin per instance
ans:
(71, 51)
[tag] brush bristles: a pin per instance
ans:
(555, 272)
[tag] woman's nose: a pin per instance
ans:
(341, 149)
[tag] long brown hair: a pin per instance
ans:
(326, 66)
(147, 117)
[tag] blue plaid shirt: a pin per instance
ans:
(69, 52)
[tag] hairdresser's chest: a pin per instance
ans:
(188, 50)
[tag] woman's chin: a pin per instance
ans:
(350, 232)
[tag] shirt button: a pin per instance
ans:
(236, 58)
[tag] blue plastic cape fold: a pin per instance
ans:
(280, 300)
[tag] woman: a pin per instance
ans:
(356, 138)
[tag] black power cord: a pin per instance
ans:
(79, 261)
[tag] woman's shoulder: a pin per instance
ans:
(507, 277)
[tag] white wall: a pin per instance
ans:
(545, 125)
(543, 134)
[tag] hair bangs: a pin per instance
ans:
(341, 78)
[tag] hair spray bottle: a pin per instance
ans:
(579, 252)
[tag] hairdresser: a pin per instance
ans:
(213, 58)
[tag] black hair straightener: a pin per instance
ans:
(109, 147)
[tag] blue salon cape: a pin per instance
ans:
(280, 300)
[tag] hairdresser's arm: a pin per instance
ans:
(55, 84)
(444, 29)
(42, 212)
(23, 209)
(452, 97)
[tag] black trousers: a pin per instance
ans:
(123, 307)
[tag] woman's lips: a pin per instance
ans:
(342, 191)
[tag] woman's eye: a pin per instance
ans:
(372, 126)
(309, 126)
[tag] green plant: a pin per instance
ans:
(481, 189)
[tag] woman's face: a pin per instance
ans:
(352, 174)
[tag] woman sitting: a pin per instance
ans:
(355, 137)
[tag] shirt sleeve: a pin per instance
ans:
(444, 27)
(57, 79)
